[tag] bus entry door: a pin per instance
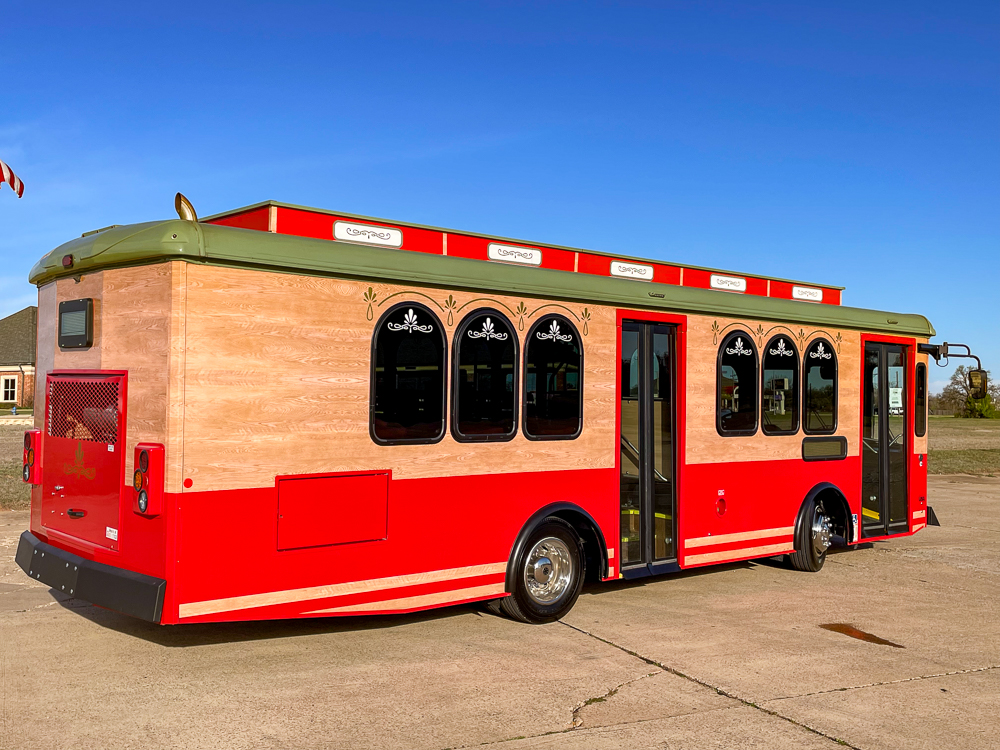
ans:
(646, 459)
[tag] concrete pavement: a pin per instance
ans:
(726, 657)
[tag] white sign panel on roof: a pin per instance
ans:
(530, 256)
(367, 234)
(631, 270)
(729, 283)
(807, 293)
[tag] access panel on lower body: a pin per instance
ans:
(317, 511)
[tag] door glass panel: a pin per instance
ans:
(630, 459)
(871, 442)
(896, 437)
(663, 499)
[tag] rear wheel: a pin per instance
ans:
(548, 576)
(812, 539)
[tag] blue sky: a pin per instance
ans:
(855, 144)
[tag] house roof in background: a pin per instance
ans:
(17, 337)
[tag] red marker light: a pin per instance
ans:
(67, 261)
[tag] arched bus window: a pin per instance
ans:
(780, 387)
(736, 402)
(553, 380)
(484, 385)
(819, 389)
(408, 376)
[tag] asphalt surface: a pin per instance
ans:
(728, 657)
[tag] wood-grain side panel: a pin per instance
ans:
(46, 347)
(135, 337)
(174, 468)
(277, 381)
(92, 286)
(705, 445)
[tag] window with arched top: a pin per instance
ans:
(485, 379)
(408, 376)
(736, 385)
(819, 388)
(779, 393)
(553, 380)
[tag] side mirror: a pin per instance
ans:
(977, 384)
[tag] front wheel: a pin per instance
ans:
(548, 575)
(812, 538)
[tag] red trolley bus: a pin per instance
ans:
(287, 412)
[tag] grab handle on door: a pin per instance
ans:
(73, 513)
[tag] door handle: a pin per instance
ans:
(72, 513)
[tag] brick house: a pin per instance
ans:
(17, 358)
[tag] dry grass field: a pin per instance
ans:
(964, 446)
(957, 446)
(14, 494)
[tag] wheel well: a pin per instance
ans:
(595, 550)
(836, 507)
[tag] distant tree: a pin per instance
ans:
(957, 398)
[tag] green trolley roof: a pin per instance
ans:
(210, 244)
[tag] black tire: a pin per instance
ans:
(812, 526)
(526, 606)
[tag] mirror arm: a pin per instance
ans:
(944, 351)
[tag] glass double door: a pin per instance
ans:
(647, 447)
(884, 441)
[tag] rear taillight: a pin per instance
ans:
(147, 479)
(31, 468)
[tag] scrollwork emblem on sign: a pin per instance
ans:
(488, 332)
(553, 334)
(410, 324)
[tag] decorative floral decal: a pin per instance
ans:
(715, 332)
(488, 332)
(782, 350)
(451, 304)
(760, 334)
(839, 339)
(410, 324)
(820, 353)
(586, 321)
(522, 310)
(370, 299)
(553, 334)
(739, 350)
(77, 467)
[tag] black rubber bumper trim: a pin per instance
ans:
(122, 590)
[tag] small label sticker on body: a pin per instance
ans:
(111, 449)
(111, 534)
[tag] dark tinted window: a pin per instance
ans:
(920, 415)
(553, 364)
(408, 382)
(820, 388)
(736, 404)
(780, 387)
(485, 380)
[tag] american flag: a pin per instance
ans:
(11, 179)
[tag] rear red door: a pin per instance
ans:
(83, 455)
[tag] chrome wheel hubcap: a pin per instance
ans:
(548, 570)
(821, 532)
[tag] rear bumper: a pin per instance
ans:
(122, 590)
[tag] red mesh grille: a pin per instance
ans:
(83, 409)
